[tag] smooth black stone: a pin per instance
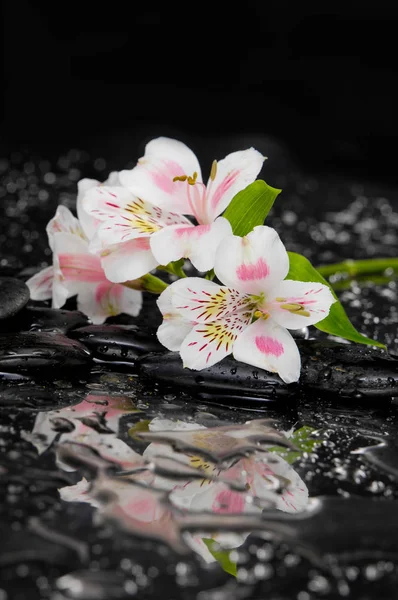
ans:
(117, 343)
(42, 318)
(332, 368)
(14, 294)
(26, 352)
(351, 370)
(227, 377)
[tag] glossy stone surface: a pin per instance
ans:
(14, 294)
(33, 352)
(117, 343)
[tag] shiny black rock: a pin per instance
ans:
(26, 352)
(14, 294)
(117, 343)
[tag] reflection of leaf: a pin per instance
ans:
(303, 442)
(221, 556)
(139, 427)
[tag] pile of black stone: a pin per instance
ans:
(37, 341)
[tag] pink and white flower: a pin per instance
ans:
(76, 271)
(250, 314)
(149, 207)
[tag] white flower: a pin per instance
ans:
(149, 207)
(250, 315)
(77, 271)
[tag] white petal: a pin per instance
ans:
(172, 332)
(88, 222)
(153, 176)
(174, 328)
(315, 299)
(254, 263)
(99, 301)
(202, 301)
(107, 202)
(41, 285)
(266, 345)
(128, 261)
(63, 222)
(208, 343)
(199, 243)
(235, 172)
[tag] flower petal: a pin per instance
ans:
(67, 247)
(89, 223)
(107, 299)
(203, 301)
(296, 304)
(208, 343)
(199, 243)
(74, 260)
(266, 345)
(127, 261)
(174, 327)
(153, 176)
(252, 264)
(235, 172)
(41, 285)
(63, 222)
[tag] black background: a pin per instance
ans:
(108, 77)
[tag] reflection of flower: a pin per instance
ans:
(93, 422)
(76, 271)
(137, 500)
(207, 322)
(165, 185)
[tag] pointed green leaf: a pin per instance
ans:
(221, 556)
(250, 207)
(301, 438)
(337, 322)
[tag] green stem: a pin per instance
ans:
(370, 266)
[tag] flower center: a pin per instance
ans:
(187, 178)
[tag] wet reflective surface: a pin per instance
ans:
(115, 484)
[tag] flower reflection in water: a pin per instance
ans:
(186, 472)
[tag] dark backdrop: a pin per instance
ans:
(102, 76)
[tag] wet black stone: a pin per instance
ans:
(28, 352)
(333, 368)
(351, 370)
(117, 343)
(14, 294)
(226, 378)
(42, 318)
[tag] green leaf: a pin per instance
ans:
(250, 207)
(221, 556)
(337, 322)
(303, 442)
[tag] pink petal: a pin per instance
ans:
(153, 176)
(41, 284)
(266, 345)
(235, 172)
(128, 261)
(252, 264)
(64, 222)
(285, 300)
